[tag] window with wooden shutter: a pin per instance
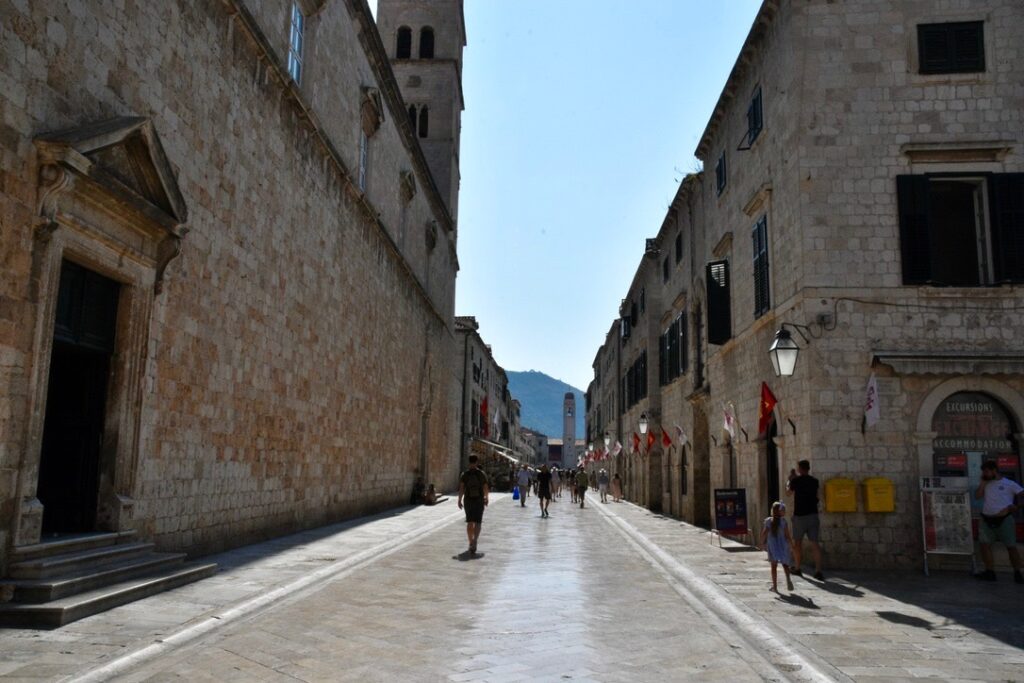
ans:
(954, 47)
(679, 247)
(755, 120)
(720, 174)
(1006, 197)
(663, 360)
(762, 299)
(915, 249)
(719, 306)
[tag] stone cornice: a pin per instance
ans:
(238, 11)
(951, 362)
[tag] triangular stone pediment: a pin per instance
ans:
(124, 152)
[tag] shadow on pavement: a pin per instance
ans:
(961, 601)
(740, 549)
(467, 556)
(797, 601)
(836, 588)
(900, 618)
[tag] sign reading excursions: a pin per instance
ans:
(970, 421)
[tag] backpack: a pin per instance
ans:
(473, 484)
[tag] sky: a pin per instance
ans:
(581, 117)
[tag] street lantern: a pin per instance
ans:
(607, 439)
(643, 423)
(783, 352)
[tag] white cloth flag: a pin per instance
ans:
(872, 408)
(729, 421)
(681, 435)
(617, 449)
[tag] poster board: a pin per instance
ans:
(731, 512)
(946, 517)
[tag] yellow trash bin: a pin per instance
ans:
(840, 495)
(879, 495)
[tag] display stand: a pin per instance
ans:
(946, 518)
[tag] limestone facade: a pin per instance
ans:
(281, 261)
(489, 424)
(866, 185)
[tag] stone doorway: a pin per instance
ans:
(80, 362)
(701, 468)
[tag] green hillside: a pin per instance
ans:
(541, 396)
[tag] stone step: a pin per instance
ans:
(44, 590)
(74, 562)
(66, 610)
(70, 544)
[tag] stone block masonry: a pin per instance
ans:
(296, 366)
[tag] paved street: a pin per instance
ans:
(609, 593)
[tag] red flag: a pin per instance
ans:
(636, 442)
(665, 440)
(483, 417)
(765, 410)
(650, 440)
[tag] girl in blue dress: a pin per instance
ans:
(778, 541)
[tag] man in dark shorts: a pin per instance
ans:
(544, 490)
(582, 482)
(474, 491)
(804, 489)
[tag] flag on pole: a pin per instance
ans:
(484, 414)
(636, 442)
(681, 435)
(729, 421)
(617, 449)
(765, 411)
(651, 439)
(665, 440)
(872, 408)
(497, 431)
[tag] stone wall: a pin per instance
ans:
(845, 110)
(305, 330)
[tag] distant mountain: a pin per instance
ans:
(541, 396)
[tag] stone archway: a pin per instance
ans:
(1010, 399)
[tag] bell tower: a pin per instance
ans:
(424, 40)
(569, 430)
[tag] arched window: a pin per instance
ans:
(426, 43)
(972, 427)
(424, 122)
(404, 47)
(412, 116)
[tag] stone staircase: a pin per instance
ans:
(53, 583)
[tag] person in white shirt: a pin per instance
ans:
(523, 482)
(1002, 498)
(556, 483)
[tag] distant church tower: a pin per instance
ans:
(424, 39)
(569, 430)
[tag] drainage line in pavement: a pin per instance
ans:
(728, 617)
(252, 606)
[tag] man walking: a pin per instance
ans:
(474, 492)
(1002, 498)
(582, 482)
(544, 490)
(523, 482)
(602, 485)
(804, 489)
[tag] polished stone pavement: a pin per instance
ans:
(608, 593)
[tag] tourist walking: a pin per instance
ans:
(582, 482)
(1002, 498)
(544, 490)
(556, 483)
(777, 540)
(602, 485)
(474, 492)
(523, 481)
(617, 488)
(572, 485)
(804, 490)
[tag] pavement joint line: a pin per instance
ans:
(727, 613)
(251, 606)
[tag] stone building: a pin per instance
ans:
(862, 190)
(538, 444)
(226, 301)
(489, 424)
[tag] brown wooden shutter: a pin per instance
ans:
(1006, 194)
(719, 307)
(915, 247)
